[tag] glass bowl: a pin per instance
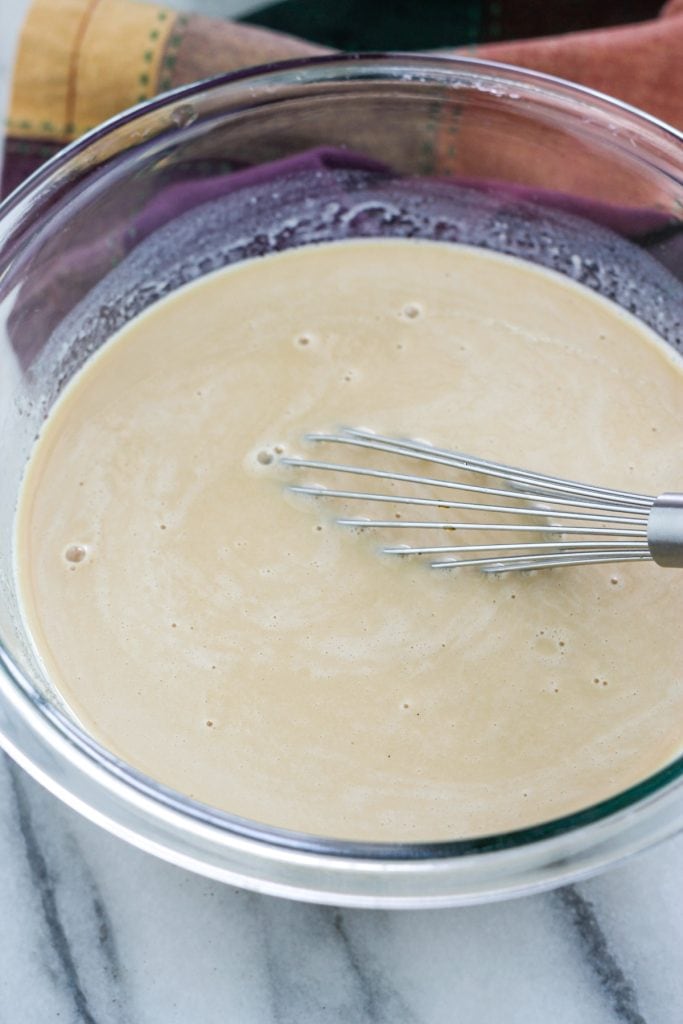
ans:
(287, 155)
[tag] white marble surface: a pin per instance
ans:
(95, 931)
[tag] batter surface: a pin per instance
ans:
(234, 644)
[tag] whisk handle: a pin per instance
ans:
(665, 530)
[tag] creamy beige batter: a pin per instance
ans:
(233, 643)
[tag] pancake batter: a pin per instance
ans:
(233, 643)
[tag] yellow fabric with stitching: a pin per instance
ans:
(100, 57)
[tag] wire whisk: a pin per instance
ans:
(530, 521)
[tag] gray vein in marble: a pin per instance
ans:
(616, 987)
(380, 1001)
(316, 970)
(369, 996)
(61, 961)
(106, 937)
(44, 883)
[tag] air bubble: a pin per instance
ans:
(75, 553)
(411, 311)
(183, 115)
(264, 457)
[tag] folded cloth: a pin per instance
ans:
(82, 61)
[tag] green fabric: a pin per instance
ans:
(430, 24)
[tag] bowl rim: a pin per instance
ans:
(86, 754)
(271, 69)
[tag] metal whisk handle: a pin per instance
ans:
(665, 530)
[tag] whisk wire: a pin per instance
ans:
(638, 526)
(541, 482)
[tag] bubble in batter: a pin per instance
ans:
(75, 553)
(412, 311)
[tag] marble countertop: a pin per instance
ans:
(95, 932)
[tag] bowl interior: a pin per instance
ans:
(304, 153)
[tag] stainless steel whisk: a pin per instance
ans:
(604, 525)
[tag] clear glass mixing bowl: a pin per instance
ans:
(178, 186)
